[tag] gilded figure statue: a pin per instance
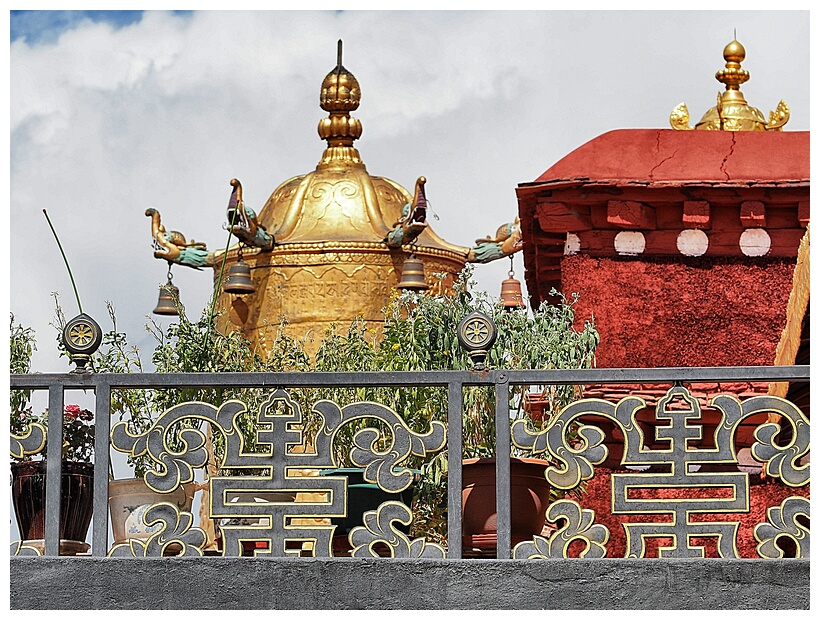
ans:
(243, 223)
(173, 247)
(413, 219)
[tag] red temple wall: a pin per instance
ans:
(762, 495)
(656, 312)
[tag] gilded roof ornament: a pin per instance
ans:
(732, 112)
(340, 95)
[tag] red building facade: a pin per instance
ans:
(682, 246)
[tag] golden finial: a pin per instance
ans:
(339, 96)
(732, 75)
(732, 112)
(340, 89)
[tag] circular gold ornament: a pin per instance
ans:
(477, 333)
(82, 335)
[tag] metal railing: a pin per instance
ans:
(454, 382)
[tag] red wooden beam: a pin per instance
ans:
(630, 214)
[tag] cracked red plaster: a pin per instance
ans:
(726, 159)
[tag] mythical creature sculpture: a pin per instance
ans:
(507, 241)
(413, 219)
(245, 227)
(173, 247)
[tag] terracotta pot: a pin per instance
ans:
(28, 490)
(129, 498)
(529, 497)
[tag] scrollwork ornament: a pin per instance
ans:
(176, 529)
(378, 528)
(18, 548)
(782, 522)
(174, 467)
(579, 525)
(780, 461)
(575, 462)
(380, 466)
(279, 428)
(32, 441)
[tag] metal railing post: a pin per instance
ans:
(455, 439)
(54, 469)
(502, 466)
(102, 458)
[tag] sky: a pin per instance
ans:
(112, 112)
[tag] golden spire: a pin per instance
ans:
(339, 96)
(732, 112)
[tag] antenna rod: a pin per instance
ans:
(60, 245)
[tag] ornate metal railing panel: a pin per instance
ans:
(575, 462)
(299, 523)
(281, 422)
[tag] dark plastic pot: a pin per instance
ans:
(362, 496)
(28, 491)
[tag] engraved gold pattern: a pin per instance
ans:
(81, 334)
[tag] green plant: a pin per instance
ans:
(420, 333)
(78, 427)
(22, 345)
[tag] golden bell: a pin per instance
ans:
(166, 304)
(412, 275)
(239, 279)
(511, 296)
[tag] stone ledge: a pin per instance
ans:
(308, 583)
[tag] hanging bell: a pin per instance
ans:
(511, 296)
(239, 279)
(412, 275)
(167, 293)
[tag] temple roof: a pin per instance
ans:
(666, 156)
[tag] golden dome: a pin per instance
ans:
(331, 261)
(732, 112)
(340, 201)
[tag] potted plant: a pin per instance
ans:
(420, 333)
(355, 351)
(28, 468)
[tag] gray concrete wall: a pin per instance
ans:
(307, 583)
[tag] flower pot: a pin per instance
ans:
(362, 496)
(529, 498)
(28, 491)
(129, 498)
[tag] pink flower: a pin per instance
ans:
(72, 412)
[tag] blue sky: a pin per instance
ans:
(46, 26)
